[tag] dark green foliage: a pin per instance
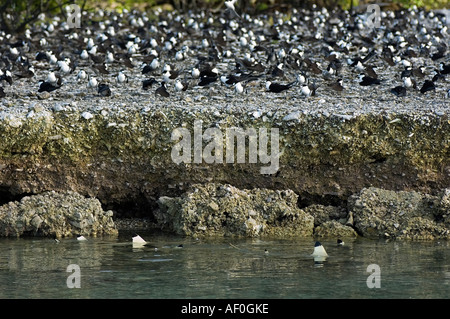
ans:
(16, 15)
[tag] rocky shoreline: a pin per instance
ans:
(221, 210)
(361, 161)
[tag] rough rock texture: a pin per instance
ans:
(121, 157)
(334, 229)
(119, 148)
(324, 214)
(404, 215)
(55, 214)
(223, 210)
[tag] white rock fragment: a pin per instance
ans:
(292, 116)
(257, 114)
(87, 115)
(345, 117)
(13, 121)
(58, 107)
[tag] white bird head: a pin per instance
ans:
(195, 73)
(230, 4)
(306, 90)
(238, 88)
(178, 85)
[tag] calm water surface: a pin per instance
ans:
(110, 267)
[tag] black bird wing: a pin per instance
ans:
(148, 83)
(427, 86)
(205, 80)
(162, 91)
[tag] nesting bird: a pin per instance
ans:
(367, 80)
(104, 89)
(162, 90)
(338, 85)
(121, 77)
(238, 88)
(399, 91)
(92, 82)
(47, 87)
(277, 87)
(427, 86)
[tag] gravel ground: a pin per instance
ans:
(414, 36)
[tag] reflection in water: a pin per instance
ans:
(319, 260)
(113, 267)
(319, 254)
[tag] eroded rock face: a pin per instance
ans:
(224, 210)
(334, 229)
(403, 215)
(55, 214)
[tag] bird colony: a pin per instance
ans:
(331, 60)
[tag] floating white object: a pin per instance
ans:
(319, 251)
(138, 240)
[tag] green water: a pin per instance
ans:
(110, 267)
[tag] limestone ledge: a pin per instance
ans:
(125, 159)
(126, 156)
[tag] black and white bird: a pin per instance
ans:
(309, 89)
(162, 90)
(207, 80)
(278, 87)
(238, 88)
(47, 87)
(427, 86)
(367, 80)
(338, 85)
(399, 91)
(409, 83)
(230, 9)
(92, 82)
(444, 69)
(148, 83)
(181, 85)
(81, 75)
(121, 77)
(103, 89)
(6, 76)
